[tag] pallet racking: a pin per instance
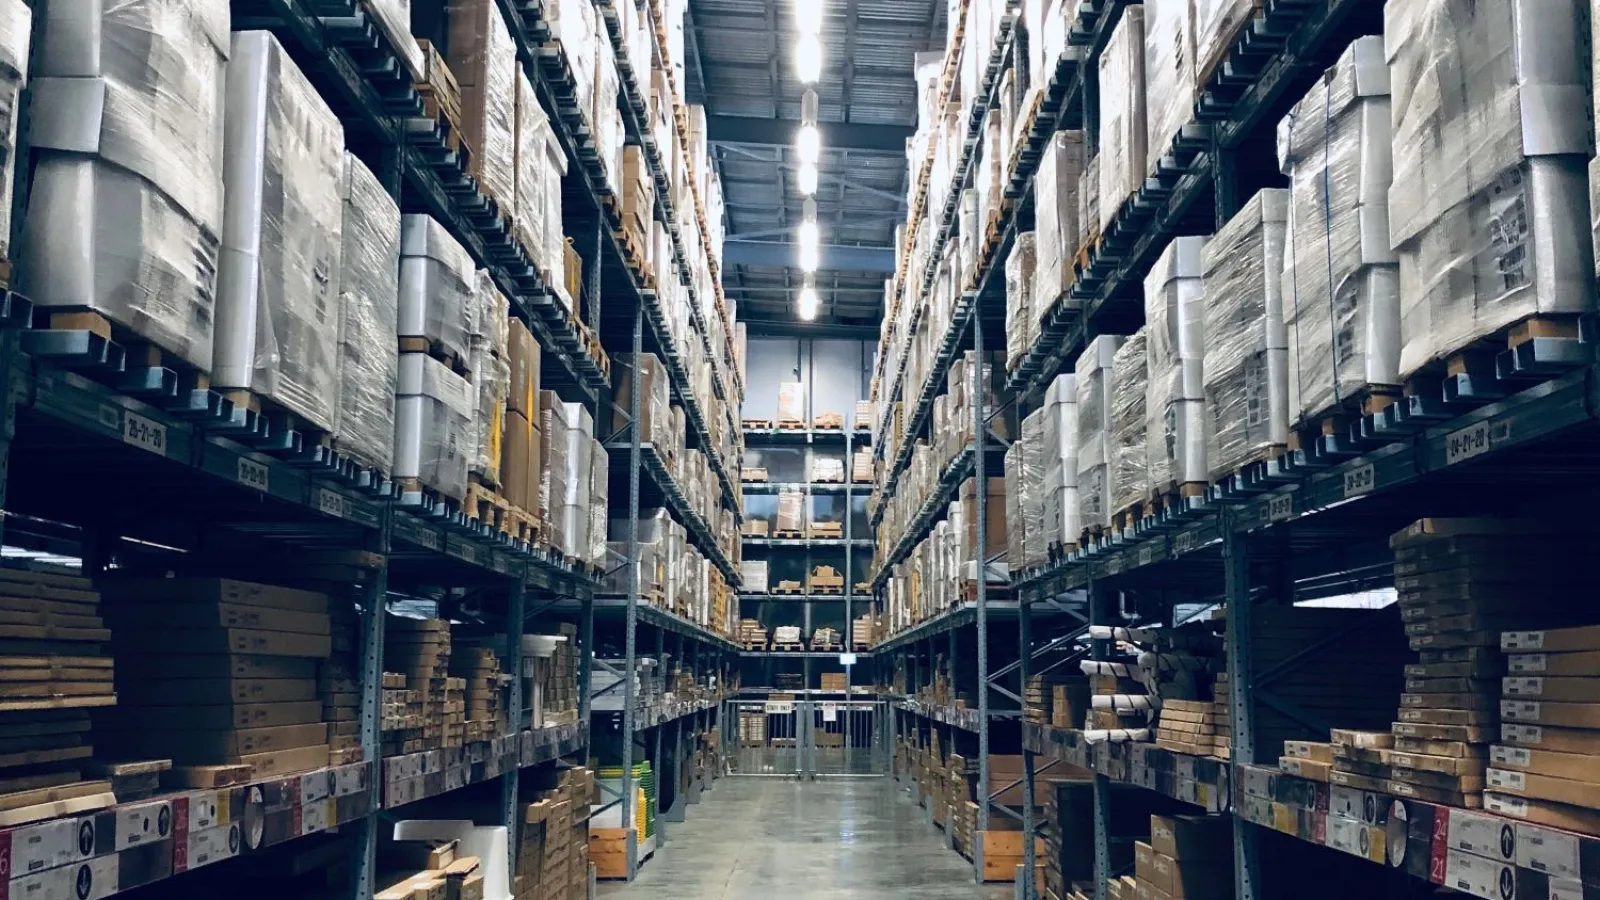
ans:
(143, 475)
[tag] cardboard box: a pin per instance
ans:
(1543, 812)
(519, 462)
(1558, 640)
(523, 356)
(1569, 715)
(1559, 688)
(1305, 768)
(1571, 766)
(1190, 837)
(1207, 878)
(1561, 740)
(1577, 663)
(1144, 865)
(1308, 750)
(1543, 787)
(215, 590)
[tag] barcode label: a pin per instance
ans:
(144, 433)
(252, 474)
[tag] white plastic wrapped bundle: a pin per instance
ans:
(369, 284)
(1340, 280)
(1061, 432)
(792, 401)
(1169, 71)
(1246, 344)
(437, 283)
(1123, 134)
(655, 416)
(1036, 540)
(277, 331)
(492, 322)
(432, 424)
(1056, 217)
(827, 469)
(1016, 527)
(577, 462)
(553, 443)
(16, 30)
(127, 130)
(1130, 476)
(491, 383)
(1175, 410)
(483, 58)
(599, 498)
(1021, 327)
(1093, 374)
(1489, 209)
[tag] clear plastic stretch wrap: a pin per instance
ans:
(791, 512)
(1021, 327)
(1093, 373)
(277, 331)
(1246, 344)
(792, 401)
(827, 469)
(437, 282)
(578, 462)
(126, 128)
(1123, 135)
(369, 284)
(1036, 538)
(1130, 476)
(1061, 432)
(1175, 408)
(491, 383)
(599, 500)
(16, 29)
(655, 418)
(553, 441)
(1016, 528)
(1341, 285)
(1489, 209)
(1169, 71)
(1056, 211)
(432, 425)
(492, 321)
(483, 59)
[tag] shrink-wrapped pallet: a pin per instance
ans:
(1016, 528)
(369, 285)
(1246, 346)
(655, 417)
(1169, 71)
(578, 474)
(1022, 329)
(1130, 460)
(1055, 213)
(791, 513)
(483, 58)
(437, 285)
(792, 402)
(552, 432)
(433, 425)
(1489, 209)
(1340, 279)
(277, 332)
(598, 500)
(1217, 25)
(1062, 523)
(1123, 133)
(16, 31)
(1175, 409)
(1093, 373)
(126, 128)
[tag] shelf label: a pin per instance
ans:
(144, 433)
(1147, 554)
(333, 503)
(847, 659)
(1464, 444)
(253, 474)
(1359, 480)
(1280, 507)
(1182, 542)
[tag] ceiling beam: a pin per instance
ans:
(833, 257)
(753, 131)
(791, 327)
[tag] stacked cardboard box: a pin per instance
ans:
(864, 632)
(419, 649)
(484, 60)
(55, 669)
(1123, 135)
(1222, 716)
(1361, 758)
(1544, 769)
(436, 870)
(339, 685)
(218, 674)
(1094, 374)
(1022, 329)
(521, 462)
(1175, 394)
(400, 729)
(1460, 581)
(1187, 857)
(479, 667)
(1056, 216)
(1188, 726)
(1118, 701)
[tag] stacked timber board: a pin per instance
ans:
(218, 675)
(53, 670)
(419, 649)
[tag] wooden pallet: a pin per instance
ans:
(1086, 253)
(829, 479)
(828, 422)
(418, 344)
(830, 590)
(792, 425)
(823, 531)
(787, 534)
(788, 588)
(789, 647)
(1173, 496)
(753, 475)
(140, 352)
(449, 125)
(280, 419)
(756, 424)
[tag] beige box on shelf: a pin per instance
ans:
(792, 402)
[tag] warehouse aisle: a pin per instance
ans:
(840, 839)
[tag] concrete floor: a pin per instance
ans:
(832, 839)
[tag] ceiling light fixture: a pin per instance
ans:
(808, 59)
(808, 303)
(808, 144)
(808, 179)
(808, 16)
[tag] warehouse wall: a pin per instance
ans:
(837, 374)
